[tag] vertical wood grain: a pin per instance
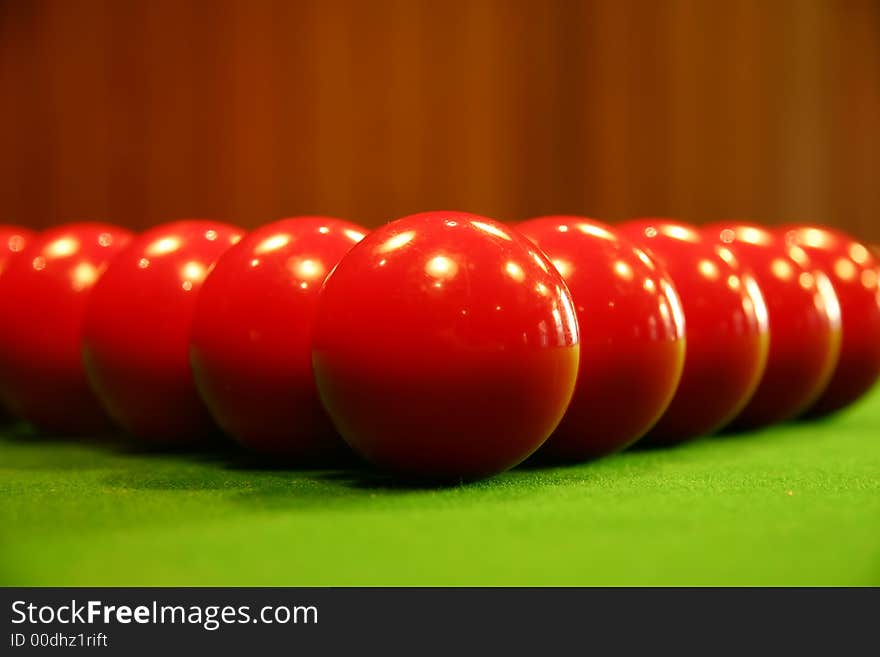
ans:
(140, 111)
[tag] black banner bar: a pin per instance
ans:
(417, 620)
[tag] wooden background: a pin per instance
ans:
(144, 111)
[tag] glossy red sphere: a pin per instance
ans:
(43, 296)
(12, 241)
(726, 323)
(137, 329)
(251, 347)
(804, 318)
(446, 345)
(632, 336)
(854, 273)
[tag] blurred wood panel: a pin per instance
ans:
(139, 111)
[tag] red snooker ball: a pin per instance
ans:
(727, 328)
(632, 336)
(251, 346)
(854, 273)
(12, 240)
(804, 320)
(43, 298)
(446, 346)
(137, 329)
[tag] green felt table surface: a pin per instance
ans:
(792, 505)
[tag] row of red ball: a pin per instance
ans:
(444, 344)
